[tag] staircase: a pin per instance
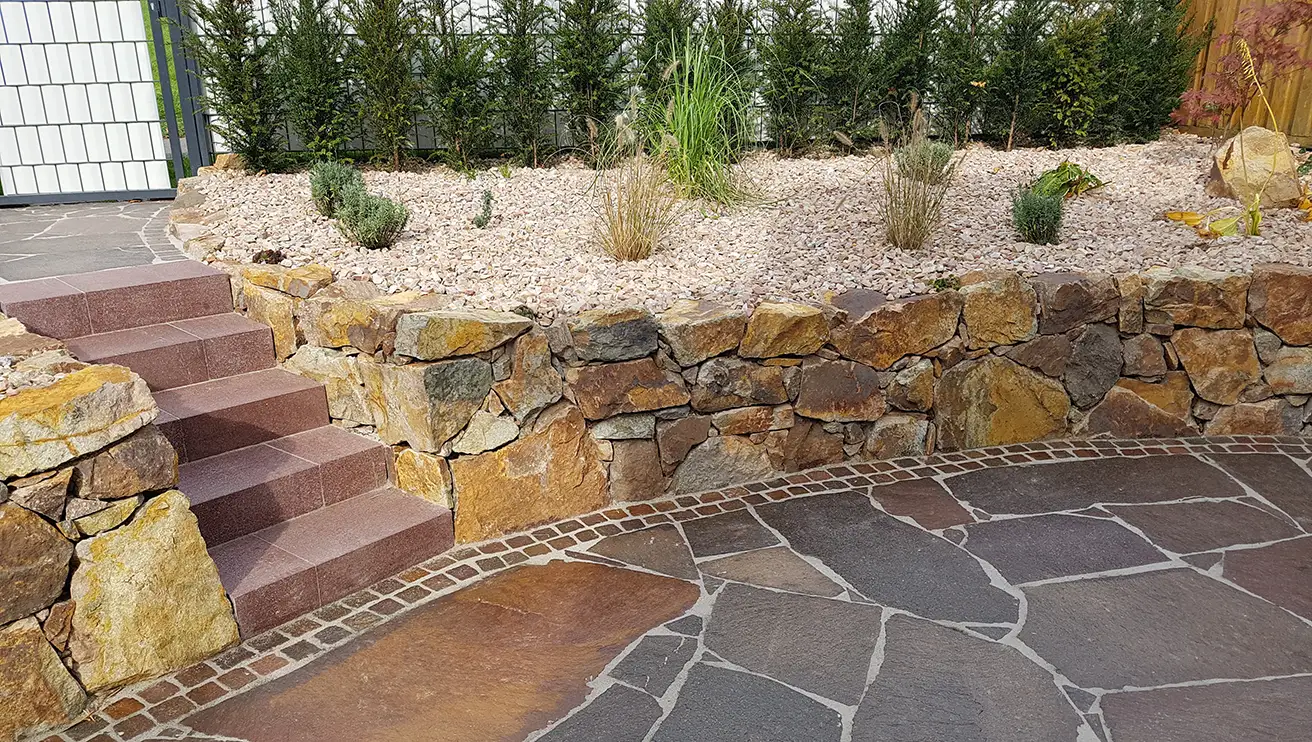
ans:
(296, 512)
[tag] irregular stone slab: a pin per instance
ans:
(517, 651)
(895, 436)
(655, 663)
(1278, 572)
(697, 330)
(633, 386)
(1094, 365)
(732, 382)
(1141, 409)
(340, 375)
(635, 471)
(1280, 299)
(747, 420)
(1068, 300)
(775, 567)
(1235, 712)
(1161, 627)
(690, 625)
(1275, 477)
(936, 684)
(900, 328)
(625, 427)
(1220, 363)
(1268, 417)
(675, 438)
(43, 493)
(784, 329)
(1047, 546)
(660, 549)
(485, 432)
(1001, 311)
(1129, 316)
(333, 320)
(276, 310)
(912, 389)
(1143, 356)
(433, 336)
(1046, 353)
(613, 334)
(890, 562)
(806, 445)
(302, 282)
(42, 427)
(1290, 372)
(728, 706)
(534, 383)
(620, 714)
(34, 562)
(553, 473)
(1074, 485)
(425, 475)
(143, 462)
(727, 533)
(720, 462)
(840, 391)
(427, 404)
(1254, 163)
(1195, 297)
(817, 645)
(1201, 526)
(107, 518)
(992, 401)
(148, 598)
(39, 693)
(924, 501)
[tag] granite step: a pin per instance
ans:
(221, 415)
(183, 352)
(236, 493)
(294, 567)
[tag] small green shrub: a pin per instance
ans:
(1067, 180)
(1036, 217)
(370, 221)
(485, 215)
(924, 160)
(950, 282)
(329, 183)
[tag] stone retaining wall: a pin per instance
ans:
(104, 577)
(515, 421)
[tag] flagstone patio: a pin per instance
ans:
(1076, 591)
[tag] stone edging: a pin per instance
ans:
(147, 710)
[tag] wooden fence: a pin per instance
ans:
(1291, 97)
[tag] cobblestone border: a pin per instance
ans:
(148, 710)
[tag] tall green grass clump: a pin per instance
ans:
(522, 29)
(382, 60)
(665, 24)
(793, 62)
(590, 59)
(330, 182)
(312, 50)
(370, 221)
(698, 131)
(1037, 217)
(458, 86)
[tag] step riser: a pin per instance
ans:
(211, 433)
(249, 510)
(186, 361)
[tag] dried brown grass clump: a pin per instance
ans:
(639, 205)
(916, 176)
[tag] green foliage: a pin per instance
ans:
(792, 62)
(665, 24)
(1149, 60)
(330, 182)
(698, 130)
(383, 59)
(907, 53)
(852, 72)
(924, 160)
(1073, 75)
(312, 50)
(458, 85)
(728, 28)
(1016, 77)
(966, 47)
(950, 282)
(1036, 217)
(485, 214)
(591, 59)
(370, 221)
(236, 61)
(1067, 180)
(521, 30)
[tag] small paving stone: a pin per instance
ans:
(1201, 526)
(618, 715)
(688, 625)
(655, 662)
(660, 549)
(1046, 546)
(727, 706)
(1265, 711)
(774, 567)
(1279, 572)
(1277, 478)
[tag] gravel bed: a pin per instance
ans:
(816, 229)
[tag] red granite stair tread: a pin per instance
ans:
(223, 474)
(47, 306)
(218, 394)
(120, 298)
(232, 344)
(339, 529)
(350, 464)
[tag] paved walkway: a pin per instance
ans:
(41, 241)
(1034, 594)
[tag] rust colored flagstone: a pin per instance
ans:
(493, 662)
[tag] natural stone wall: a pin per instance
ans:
(104, 577)
(486, 409)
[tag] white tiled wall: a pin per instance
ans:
(77, 98)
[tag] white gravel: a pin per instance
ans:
(817, 230)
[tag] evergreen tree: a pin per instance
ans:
(312, 49)
(458, 84)
(524, 73)
(966, 46)
(665, 25)
(852, 72)
(383, 59)
(1149, 58)
(792, 65)
(908, 50)
(728, 30)
(1016, 77)
(1073, 74)
(589, 54)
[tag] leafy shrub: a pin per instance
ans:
(387, 39)
(851, 75)
(665, 24)
(484, 216)
(1149, 58)
(1067, 180)
(458, 86)
(924, 160)
(524, 72)
(792, 62)
(1036, 217)
(908, 51)
(639, 205)
(1073, 76)
(965, 50)
(698, 131)
(236, 61)
(590, 56)
(329, 184)
(312, 50)
(1016, 76)
(370, 221)
(914, 194)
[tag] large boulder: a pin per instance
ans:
(840, 391)
(148, 598)
(533, 383)
(1095, 364)
(550, 474)
(42, 427)
(1068, 300)
(435, 335)
(34, 561)
(38, 692)
(992, 401)
(631, 386)
(728, 382)
(1269, 417)
(895, 329)
(331, 320)
(427, 404)
(143, 462)
(697, 330)
(784, 329)
(720, 462)
(276, 310)
(1255, 161)
(1140, 409)
(340, 375)
(1280, 299)
(425, 475)
(1195, 297)
(1220, 363)
(612, 335)
(1001, 311)
(1291, 371)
